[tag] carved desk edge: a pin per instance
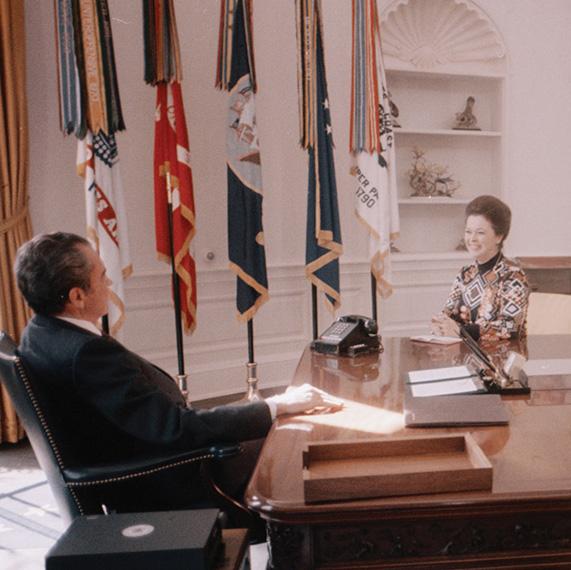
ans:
(440, 540)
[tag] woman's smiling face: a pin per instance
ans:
(481, 239)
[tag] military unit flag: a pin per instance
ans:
(98, 164)
(323, 239)
(172, 170)
(90, 107)
(372, 143)
(172, 167)
(236, 74)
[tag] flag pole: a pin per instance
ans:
(374, 296)
(105, 324)
(181, 376)
(252, 393)
(314, 310)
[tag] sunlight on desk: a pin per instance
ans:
(360, 417)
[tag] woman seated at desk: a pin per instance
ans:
(489, 297)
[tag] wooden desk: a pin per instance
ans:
(548, 274)
(525, 522)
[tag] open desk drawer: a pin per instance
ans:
(359, 469)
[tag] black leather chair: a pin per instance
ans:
(129, 486)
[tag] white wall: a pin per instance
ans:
(538, 118)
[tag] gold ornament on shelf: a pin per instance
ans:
(428, 179)
(466, 120)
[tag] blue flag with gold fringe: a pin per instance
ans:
(323, 240)
(236, 74)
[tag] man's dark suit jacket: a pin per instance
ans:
(113, 404)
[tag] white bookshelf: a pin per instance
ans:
(429, 88)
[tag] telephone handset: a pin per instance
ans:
(349, 335)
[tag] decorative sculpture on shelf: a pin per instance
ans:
(466, 120)
(394, 111)
(428, 179)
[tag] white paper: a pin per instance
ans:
(434, 339)
(435, 374)
(547, 367)
(464, 386)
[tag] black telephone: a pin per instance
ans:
(349, 335)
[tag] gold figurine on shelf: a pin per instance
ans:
(466, 120)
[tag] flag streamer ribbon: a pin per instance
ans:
(88, 86)
(365, 107)
(235, 74)
(161, 45)
(224, 69)
(323, 239)
(372, 143)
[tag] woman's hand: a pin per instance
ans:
(442, 325)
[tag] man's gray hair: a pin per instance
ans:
(50, 265)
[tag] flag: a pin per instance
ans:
(172, 165)
(372, 143)
(323, 237)
(90, 107)
(236, 74)
(172, 171)
(98, 164)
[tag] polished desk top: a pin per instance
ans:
(531, 456)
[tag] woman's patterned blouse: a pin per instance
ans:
(496, 299)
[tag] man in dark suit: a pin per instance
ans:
(112, 403)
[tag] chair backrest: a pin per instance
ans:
(20, 388)
(549, 313)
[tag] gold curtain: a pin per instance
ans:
(15, 226)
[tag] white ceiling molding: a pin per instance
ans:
(433, 33)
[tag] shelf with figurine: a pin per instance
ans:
(448, 92)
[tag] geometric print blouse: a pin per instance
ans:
(496, 294)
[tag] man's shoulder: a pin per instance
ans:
(51, 335)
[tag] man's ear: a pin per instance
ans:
(76, 298)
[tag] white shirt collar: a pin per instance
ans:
(87, 325)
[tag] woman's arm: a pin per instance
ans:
(454, 301)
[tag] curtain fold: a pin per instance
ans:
(15, 225)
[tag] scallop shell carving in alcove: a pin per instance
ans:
(427, 33)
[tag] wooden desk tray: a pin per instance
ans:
(360, 469)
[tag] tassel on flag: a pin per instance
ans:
(172, 157)
(236, 74)
(97, 163)
(323, 240)
(90, 107)
(171, 154)
(372, 143)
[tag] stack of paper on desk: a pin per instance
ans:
(462, 410)
(444, 381)
(436, 339)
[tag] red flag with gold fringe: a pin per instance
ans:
(172, 161)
